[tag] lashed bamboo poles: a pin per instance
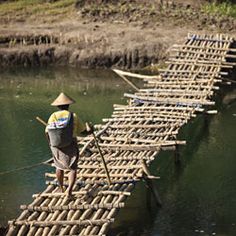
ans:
(135, 133)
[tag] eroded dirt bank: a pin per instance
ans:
(87, 45)
(118, 34)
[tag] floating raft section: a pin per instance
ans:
(130, 140)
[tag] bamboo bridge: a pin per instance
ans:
(131, 139)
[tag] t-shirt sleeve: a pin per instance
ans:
(79, 126)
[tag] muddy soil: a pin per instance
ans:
(121, 35)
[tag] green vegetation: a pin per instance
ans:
(33, 9)
(225, 8)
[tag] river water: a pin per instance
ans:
(199, 196)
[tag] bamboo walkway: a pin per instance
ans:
(130, 140)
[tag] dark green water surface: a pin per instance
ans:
(199, 196)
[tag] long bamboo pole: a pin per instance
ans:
(127, 81)
(100, 152)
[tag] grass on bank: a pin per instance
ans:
(223, 9)
(25, 9)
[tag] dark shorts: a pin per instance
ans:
(66, 158)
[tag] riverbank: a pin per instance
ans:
(117, 34)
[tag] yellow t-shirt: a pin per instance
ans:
(63, 116)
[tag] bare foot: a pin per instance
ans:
(69, 195)
(63, 189)
(68, 192)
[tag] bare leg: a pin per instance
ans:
(72, 178)
(60, 178)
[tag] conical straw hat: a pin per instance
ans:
(62, 99)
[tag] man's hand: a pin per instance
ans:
(89, 127)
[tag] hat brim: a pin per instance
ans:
(62, 99)
(62, 103)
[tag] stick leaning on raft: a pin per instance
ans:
(100, 152)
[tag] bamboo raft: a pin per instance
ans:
(130, 140)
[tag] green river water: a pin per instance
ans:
(199, 196)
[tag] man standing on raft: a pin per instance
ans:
(62, 128)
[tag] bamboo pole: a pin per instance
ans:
(73, 207)
(62, 222)
(97, 135)
(149, 126)
(41, 121)
(194, 52)
(200, 47)
(57, 194)
(190, 102)
(134, 75)
(102, 157)
(127, 81)
(86, 175)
